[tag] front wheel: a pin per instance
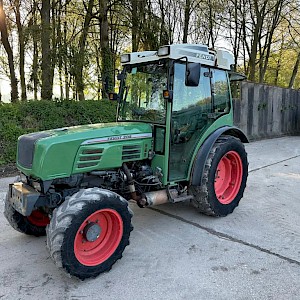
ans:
(89, 232)
(35, 224)
(224, 178)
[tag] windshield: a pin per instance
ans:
(142, 93)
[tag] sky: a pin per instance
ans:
(5, 90)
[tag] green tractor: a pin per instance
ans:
(173, 140)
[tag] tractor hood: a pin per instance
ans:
(62, 152)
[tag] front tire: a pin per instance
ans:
(89, 232)
(35, 224)
(224, 178)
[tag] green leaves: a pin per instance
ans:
(25, 117)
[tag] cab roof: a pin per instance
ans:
(197, 53)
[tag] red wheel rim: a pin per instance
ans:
(92, 253)
(228, 177)
(38, 218)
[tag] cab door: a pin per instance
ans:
(190, 110)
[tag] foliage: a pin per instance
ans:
(286, 59)
(25, 117)
(73, 47)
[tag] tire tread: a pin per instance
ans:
(201, 199)
(62, 219)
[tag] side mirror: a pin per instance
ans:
(192, 74)
(113, 96)
(235, 76)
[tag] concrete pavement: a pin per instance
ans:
(177, 253)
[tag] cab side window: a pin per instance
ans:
(220, 91)
(186, 97)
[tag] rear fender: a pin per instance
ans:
(202, 155)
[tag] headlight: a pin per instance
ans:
(162, 51)
(125, 58)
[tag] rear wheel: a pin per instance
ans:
(89, 232)
(35, 224)
(224, 178)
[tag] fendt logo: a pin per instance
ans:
(120, 137)
(204, 56)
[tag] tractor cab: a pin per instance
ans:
(183, 91)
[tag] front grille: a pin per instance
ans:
(87, 165)
(26, 145)
(131, 152)
(89, 158)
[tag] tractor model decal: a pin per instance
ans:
(118, 137)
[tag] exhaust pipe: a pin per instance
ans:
(165, 196)
(156, 197)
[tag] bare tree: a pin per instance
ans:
(21, 37)
(106, 53)
(187, 15)
(47, 71)
(80, 55)
(9, 52)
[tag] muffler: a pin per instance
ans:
(165, 196)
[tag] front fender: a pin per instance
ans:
(202, 155)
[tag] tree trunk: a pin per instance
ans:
(47, 78)
(81, 54)
(253, 54)
(237, 37)
(21, 51)
(211, 25)
(35, 69)
(60, 50)
(163, 34)
(10, 57)
(53, 39)
(295, 71)
(66, 73)
(99, 81)
(187, 10)
(259, 14)
(35, 33)
(135, 25)
(278, 65)
(269, 39)
(106, 54)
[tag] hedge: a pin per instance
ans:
(25, 117)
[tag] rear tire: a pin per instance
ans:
(89, 232)
(35, 224)
(224, 178)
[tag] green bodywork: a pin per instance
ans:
(64, 152)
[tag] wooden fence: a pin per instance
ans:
(264, 111)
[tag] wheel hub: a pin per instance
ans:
(92, 232)
(228, 177)
(98, 237)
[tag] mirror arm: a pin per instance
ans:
(180, 58)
